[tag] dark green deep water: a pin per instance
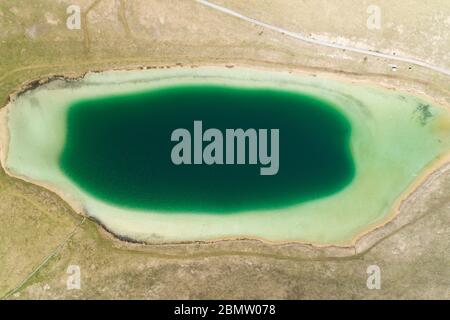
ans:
(118, 149)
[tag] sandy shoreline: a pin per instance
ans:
(396, 208)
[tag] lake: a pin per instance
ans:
(216, 153)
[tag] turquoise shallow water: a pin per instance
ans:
(118, 149)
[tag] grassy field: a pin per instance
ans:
(40, 236)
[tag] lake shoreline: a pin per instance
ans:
(428, 171)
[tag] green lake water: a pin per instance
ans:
(119, 149)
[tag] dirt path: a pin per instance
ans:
(300, 37)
